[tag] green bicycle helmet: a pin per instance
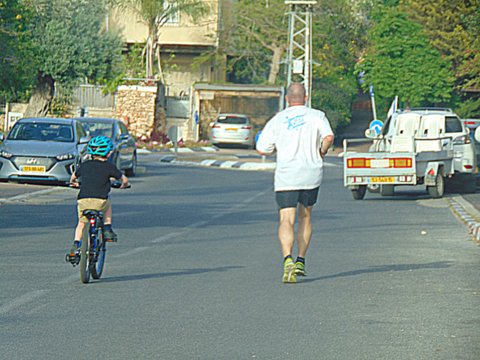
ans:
(100, 146)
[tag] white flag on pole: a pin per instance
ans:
(393, 107)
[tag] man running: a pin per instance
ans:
(301, 136)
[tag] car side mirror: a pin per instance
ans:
(84, 140)
(2, 137)
(477, 134)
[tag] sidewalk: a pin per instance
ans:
(467, 208)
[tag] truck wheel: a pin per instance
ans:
(387, 190)
(359, 194)
(438, 190)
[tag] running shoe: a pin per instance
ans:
(300, 269)
(289, 272)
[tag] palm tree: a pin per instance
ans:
(154, 14)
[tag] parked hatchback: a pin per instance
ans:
(41, 149)
(232, 129)
(124, 145)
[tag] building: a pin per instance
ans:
(182, 40)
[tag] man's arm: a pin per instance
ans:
(266, 143)
(326, 143)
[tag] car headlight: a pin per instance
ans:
(5, 154)
(68, 156)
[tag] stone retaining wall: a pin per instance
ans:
(135, 105)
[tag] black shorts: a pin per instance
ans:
(290, 198)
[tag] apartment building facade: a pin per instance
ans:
(182, 41)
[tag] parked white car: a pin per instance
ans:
(232, 129)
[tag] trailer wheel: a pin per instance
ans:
(359, 194)
(387, 190)
(438, 190)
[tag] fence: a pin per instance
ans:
(178, 107)
(89, 96)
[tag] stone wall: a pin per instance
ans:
(135, 105)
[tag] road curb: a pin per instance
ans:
(182, 150)
(224, 164)
(468, 214)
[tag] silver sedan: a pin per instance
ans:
(41, 149)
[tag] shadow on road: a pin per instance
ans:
(385, 268)
(179, 272)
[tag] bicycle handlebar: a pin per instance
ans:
(114, 184)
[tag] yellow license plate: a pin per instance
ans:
(382, 179)
(231, 129)
(34, 169)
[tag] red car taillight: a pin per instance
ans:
(464, 139)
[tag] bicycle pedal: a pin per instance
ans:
(110, 240)
(74, 260)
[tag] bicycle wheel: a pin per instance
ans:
(97, 265)
(85, 256)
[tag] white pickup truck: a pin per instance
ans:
(419, 146)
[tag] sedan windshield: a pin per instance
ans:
(41, 132)
(98, 129)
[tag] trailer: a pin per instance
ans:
(418, 153)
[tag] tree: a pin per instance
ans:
(338, 37)
(400, 61)
(14, 39)
(258, 41)
(155, 14)
(69, 44)
(453, 28)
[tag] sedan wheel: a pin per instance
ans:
(133, 170)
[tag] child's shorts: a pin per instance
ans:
(91, 204)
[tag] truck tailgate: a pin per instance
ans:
(379, 168)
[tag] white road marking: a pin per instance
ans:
(21, 300)
(167, 236)
(131, 252)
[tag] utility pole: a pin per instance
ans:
(300, 43)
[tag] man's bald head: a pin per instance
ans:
(296, 94)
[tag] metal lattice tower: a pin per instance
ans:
(300, 43)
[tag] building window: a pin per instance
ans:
(172, 17)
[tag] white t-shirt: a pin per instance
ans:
(296, 133)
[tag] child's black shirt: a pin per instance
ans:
(95, 178)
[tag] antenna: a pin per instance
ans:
(300, 44)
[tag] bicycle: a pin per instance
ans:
(92, 246)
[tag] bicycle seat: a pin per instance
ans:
(91, 213)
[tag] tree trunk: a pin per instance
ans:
(41, 97)
(275, 65)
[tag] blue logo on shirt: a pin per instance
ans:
(295, 122)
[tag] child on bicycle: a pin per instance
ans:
(94, 192)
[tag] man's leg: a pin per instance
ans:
(286, 233)
(304, 231)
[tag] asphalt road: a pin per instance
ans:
(197, 275)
